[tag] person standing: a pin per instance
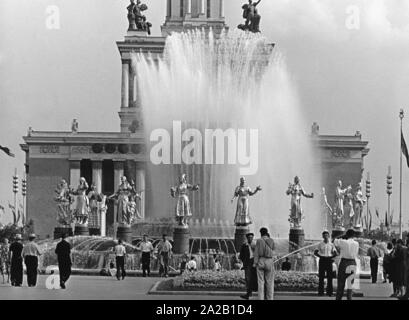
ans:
(399, 261)
(247, 257)
(406, 273)
(393, 269)
(63, 252)
(147, 248)
(374, 253)
(326, 252)
(263, 261)
(4, 259)
(120, 254)
(386, 263)
(16, 262)
(348, 249)
(31, 252)
(164, 251)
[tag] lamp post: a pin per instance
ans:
(24, 193)
(15, 188)
(368, 195)
(389, 190)
(401, 116)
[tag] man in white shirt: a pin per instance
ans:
(147, 248)
(348, 249)
(120, 253)
(326, 252)
(164, 251)
(191, 265)
(31, 252)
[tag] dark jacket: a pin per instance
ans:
(63, 251)
(245, 255)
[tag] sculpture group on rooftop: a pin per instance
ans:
(137, 21)
(250, 13)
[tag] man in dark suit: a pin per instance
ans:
(63, 251)
(247, 257)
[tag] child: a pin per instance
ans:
(217, 265)
(183, 263)
(111, 269)
(191, 265)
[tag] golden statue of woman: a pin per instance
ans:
(243, 193)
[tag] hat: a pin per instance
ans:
(31, 236)
(249, 235)
(18, 237)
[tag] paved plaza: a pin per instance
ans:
(136, 288)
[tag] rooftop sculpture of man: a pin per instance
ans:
(296, 191)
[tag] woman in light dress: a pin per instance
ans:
(243, 193)
(182, 209)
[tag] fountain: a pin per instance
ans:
(233, 84)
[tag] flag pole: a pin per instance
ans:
(401, 116)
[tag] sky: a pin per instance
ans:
(348, 59)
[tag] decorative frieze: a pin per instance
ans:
(341, 153)
(50, 149)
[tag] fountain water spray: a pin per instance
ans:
(231, 83)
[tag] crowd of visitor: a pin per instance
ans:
(396, 267)
(13, 256)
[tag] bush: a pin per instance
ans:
(234, 281)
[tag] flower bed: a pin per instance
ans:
(234, 281)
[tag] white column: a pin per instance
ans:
(125, 85)
(132, 90)
(75, 173)
(140, 186)
(103, 223)
(189, 6)
(202, 6)
(97, 174)
(221, 8)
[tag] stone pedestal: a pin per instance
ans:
(297, 237)
(337, 233)
(124, 233)
(59, 231)
(181, 237)
(240, 237)
(81, 230)
(94, 231)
